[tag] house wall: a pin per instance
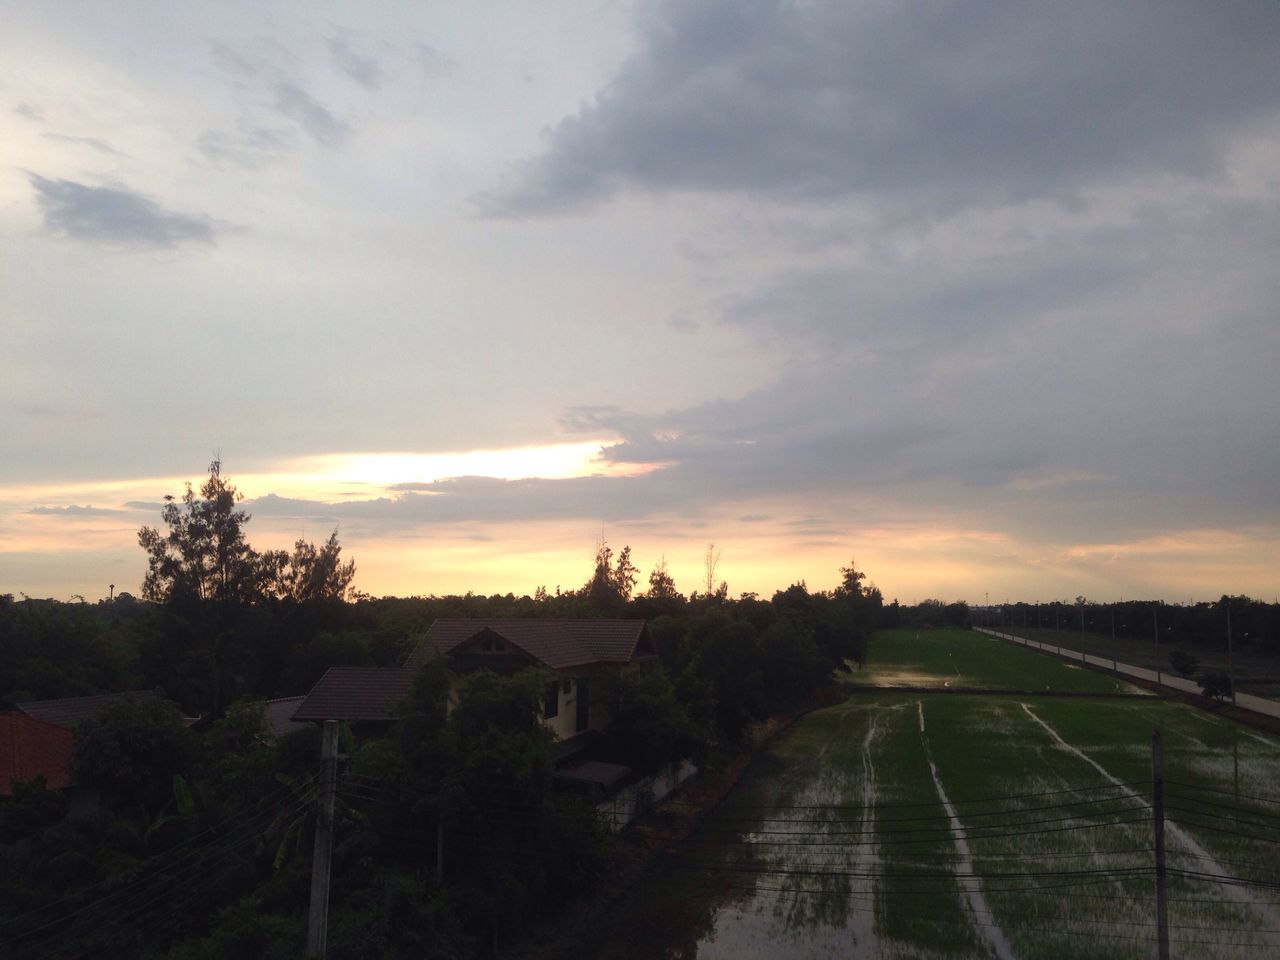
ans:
(563, 724)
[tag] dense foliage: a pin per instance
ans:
(193, 840)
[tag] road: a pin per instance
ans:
(1247, 701)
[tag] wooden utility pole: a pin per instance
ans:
(1231, 673)
(322, 857)
(440, 840)
(1157, 817)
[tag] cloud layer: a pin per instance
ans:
(951, 104)
(115, 216)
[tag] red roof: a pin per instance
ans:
(30, 748)
(560, 644)
(356, 693)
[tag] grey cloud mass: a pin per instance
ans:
(115, 216)
(363, 69)
(323, 126)
(75, 511)
(1002, 272)
(433, 63)
(955, 103)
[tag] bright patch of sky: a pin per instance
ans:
(984, 297)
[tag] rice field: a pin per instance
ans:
(920, 824)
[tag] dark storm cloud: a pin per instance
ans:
(922, 298)
(115, 216)
(314, 117)
(954, 103)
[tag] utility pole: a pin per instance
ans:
(1231, 675)
(1113, 639)
(1155, 642)
(322, 857)
(1157, 817)
(440, 840)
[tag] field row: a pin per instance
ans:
(908, 825)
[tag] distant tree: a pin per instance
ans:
(851, 579)
(131, 752)
(625, 574)
(1216, 686)
(204, 554)
(792, 662)
(611, 583)
(662, 586)
(1184, 661)
(312, 574)
(729, 657)
(709, 563)
(647, 722)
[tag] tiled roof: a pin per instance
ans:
(31, 748)
(279, 714)
(356, 693)
(69, 712)
(559, 644)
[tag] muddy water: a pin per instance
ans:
(745, 885)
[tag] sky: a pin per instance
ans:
(982, 297)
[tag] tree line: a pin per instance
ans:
(219, 628)
(1254, 624)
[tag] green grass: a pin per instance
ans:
(779, 870)
(963, 658)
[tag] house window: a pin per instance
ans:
(551, 706)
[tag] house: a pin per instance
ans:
(279, 716)
(356, 694)
(581, 654)
(37, 737)
(31, 748)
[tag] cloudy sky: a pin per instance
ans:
(982, 294)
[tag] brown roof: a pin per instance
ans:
(69, 712)
(279, 716)
(560, 644)
(356, 693)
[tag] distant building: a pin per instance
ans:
(581, 653)
(31, 748)
(37, 737)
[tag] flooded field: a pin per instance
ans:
(903, 825)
